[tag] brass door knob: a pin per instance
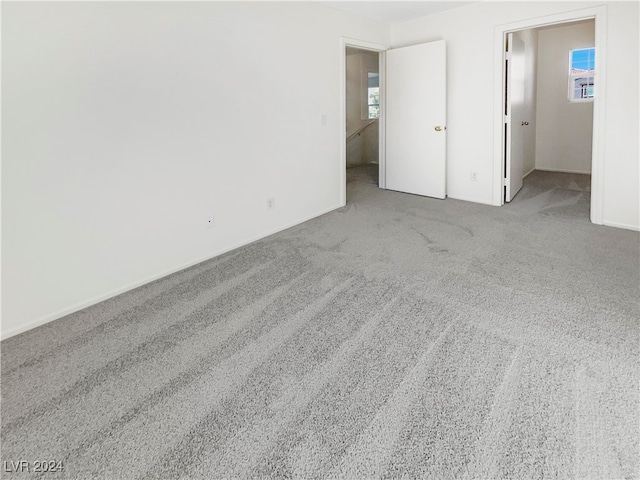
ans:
(438, 128)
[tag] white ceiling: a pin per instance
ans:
(393, 12)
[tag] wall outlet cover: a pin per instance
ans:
(271, 203)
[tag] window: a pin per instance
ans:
(373, 94)
(582, 63)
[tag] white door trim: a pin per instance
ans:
(599, 14)
(514, 141)
(376, 47)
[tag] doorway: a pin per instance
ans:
(550, 88)
(411, 104)
(597, 15)
(379, 49)
(362, 89)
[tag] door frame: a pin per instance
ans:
(599, 15)
(380, 49)
(510, 68)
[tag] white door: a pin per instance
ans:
(515, 120)
(416, 119)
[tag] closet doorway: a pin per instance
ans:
(550, 90)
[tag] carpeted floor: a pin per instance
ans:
(399, 336)
(367, 173)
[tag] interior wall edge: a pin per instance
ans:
(624, 226)
(139, 283)
(471, 199)
(563, 170)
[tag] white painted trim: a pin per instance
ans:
(382, 121)
(375, 47)
(497, 189)
(529, 172)
(597, 161)
(112, 293)
(599, 118)
(563, 170)
(469, 199)
(626, 226)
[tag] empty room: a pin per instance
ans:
(200, 282)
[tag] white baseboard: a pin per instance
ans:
(529, 172)
(473, 200)
(117, 291)
(635, 228)
(562, 170)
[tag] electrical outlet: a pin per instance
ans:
(271, 203)
(209, 221)
(474, 176)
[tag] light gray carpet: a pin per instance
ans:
(367, 173)
(398, 337)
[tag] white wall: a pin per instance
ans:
(354, 93)
(371, 143)
(469, 32)
(622, 135)
(565, 129)
(125, 124)
(530, 39)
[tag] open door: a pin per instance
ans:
(416, 119)
(515, 116)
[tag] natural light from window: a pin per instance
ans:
(582, 63)
(373, 94)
